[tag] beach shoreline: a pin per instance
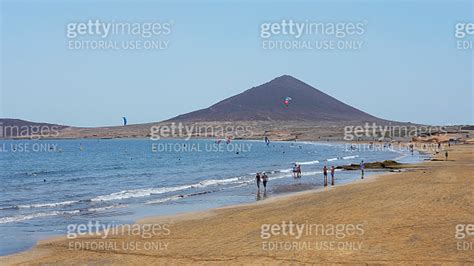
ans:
(205, 249)
(277, 192)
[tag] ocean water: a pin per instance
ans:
(46, 185)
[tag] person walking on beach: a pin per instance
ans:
(265, 180)
(332, 175)
(362, 168)
(446, 155)
(257, 178)
(325, 172)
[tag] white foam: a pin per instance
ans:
(176, 197)
(308, 163)
(332, 159)
(211, 182)
(311, 173)
(289, 170)
(99, 209)
(278, 176)
(138, 193)
(350, 157)
(145, 192)
(46, 205)
(19, 218)
(241, 185)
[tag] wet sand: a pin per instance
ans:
(405, 218)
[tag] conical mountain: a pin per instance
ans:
(267, 103)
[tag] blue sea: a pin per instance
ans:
(46, 185)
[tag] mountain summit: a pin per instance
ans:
(267, 103)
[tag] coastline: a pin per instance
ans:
(278, 190)
(213, 222)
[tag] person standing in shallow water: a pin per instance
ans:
(257, 178)
(332, 175)
(362, 168)
(325, 172)
(264, 181)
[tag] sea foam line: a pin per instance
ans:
(350, 157)
(24, 217)
(19, 218)
(47, 205)
(308, 163)
(145, 192)
(178, 197)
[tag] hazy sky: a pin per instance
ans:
(408, 69)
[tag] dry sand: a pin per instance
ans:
(407, 218)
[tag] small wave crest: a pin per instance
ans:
(46, 205)
(308, 163)
(138, 193)
(145, 192)
(101, 209)
(39, 205)
(350, 157)
(24, 217)
(211, 182)
(177, 197)
(19, 218)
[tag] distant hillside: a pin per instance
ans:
(17, 128)
(266, 103)
(310, 114)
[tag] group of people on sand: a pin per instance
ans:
(263, 178)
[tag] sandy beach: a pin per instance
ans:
(390, 218)
(237, 133)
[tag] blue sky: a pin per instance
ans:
(408, 69)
